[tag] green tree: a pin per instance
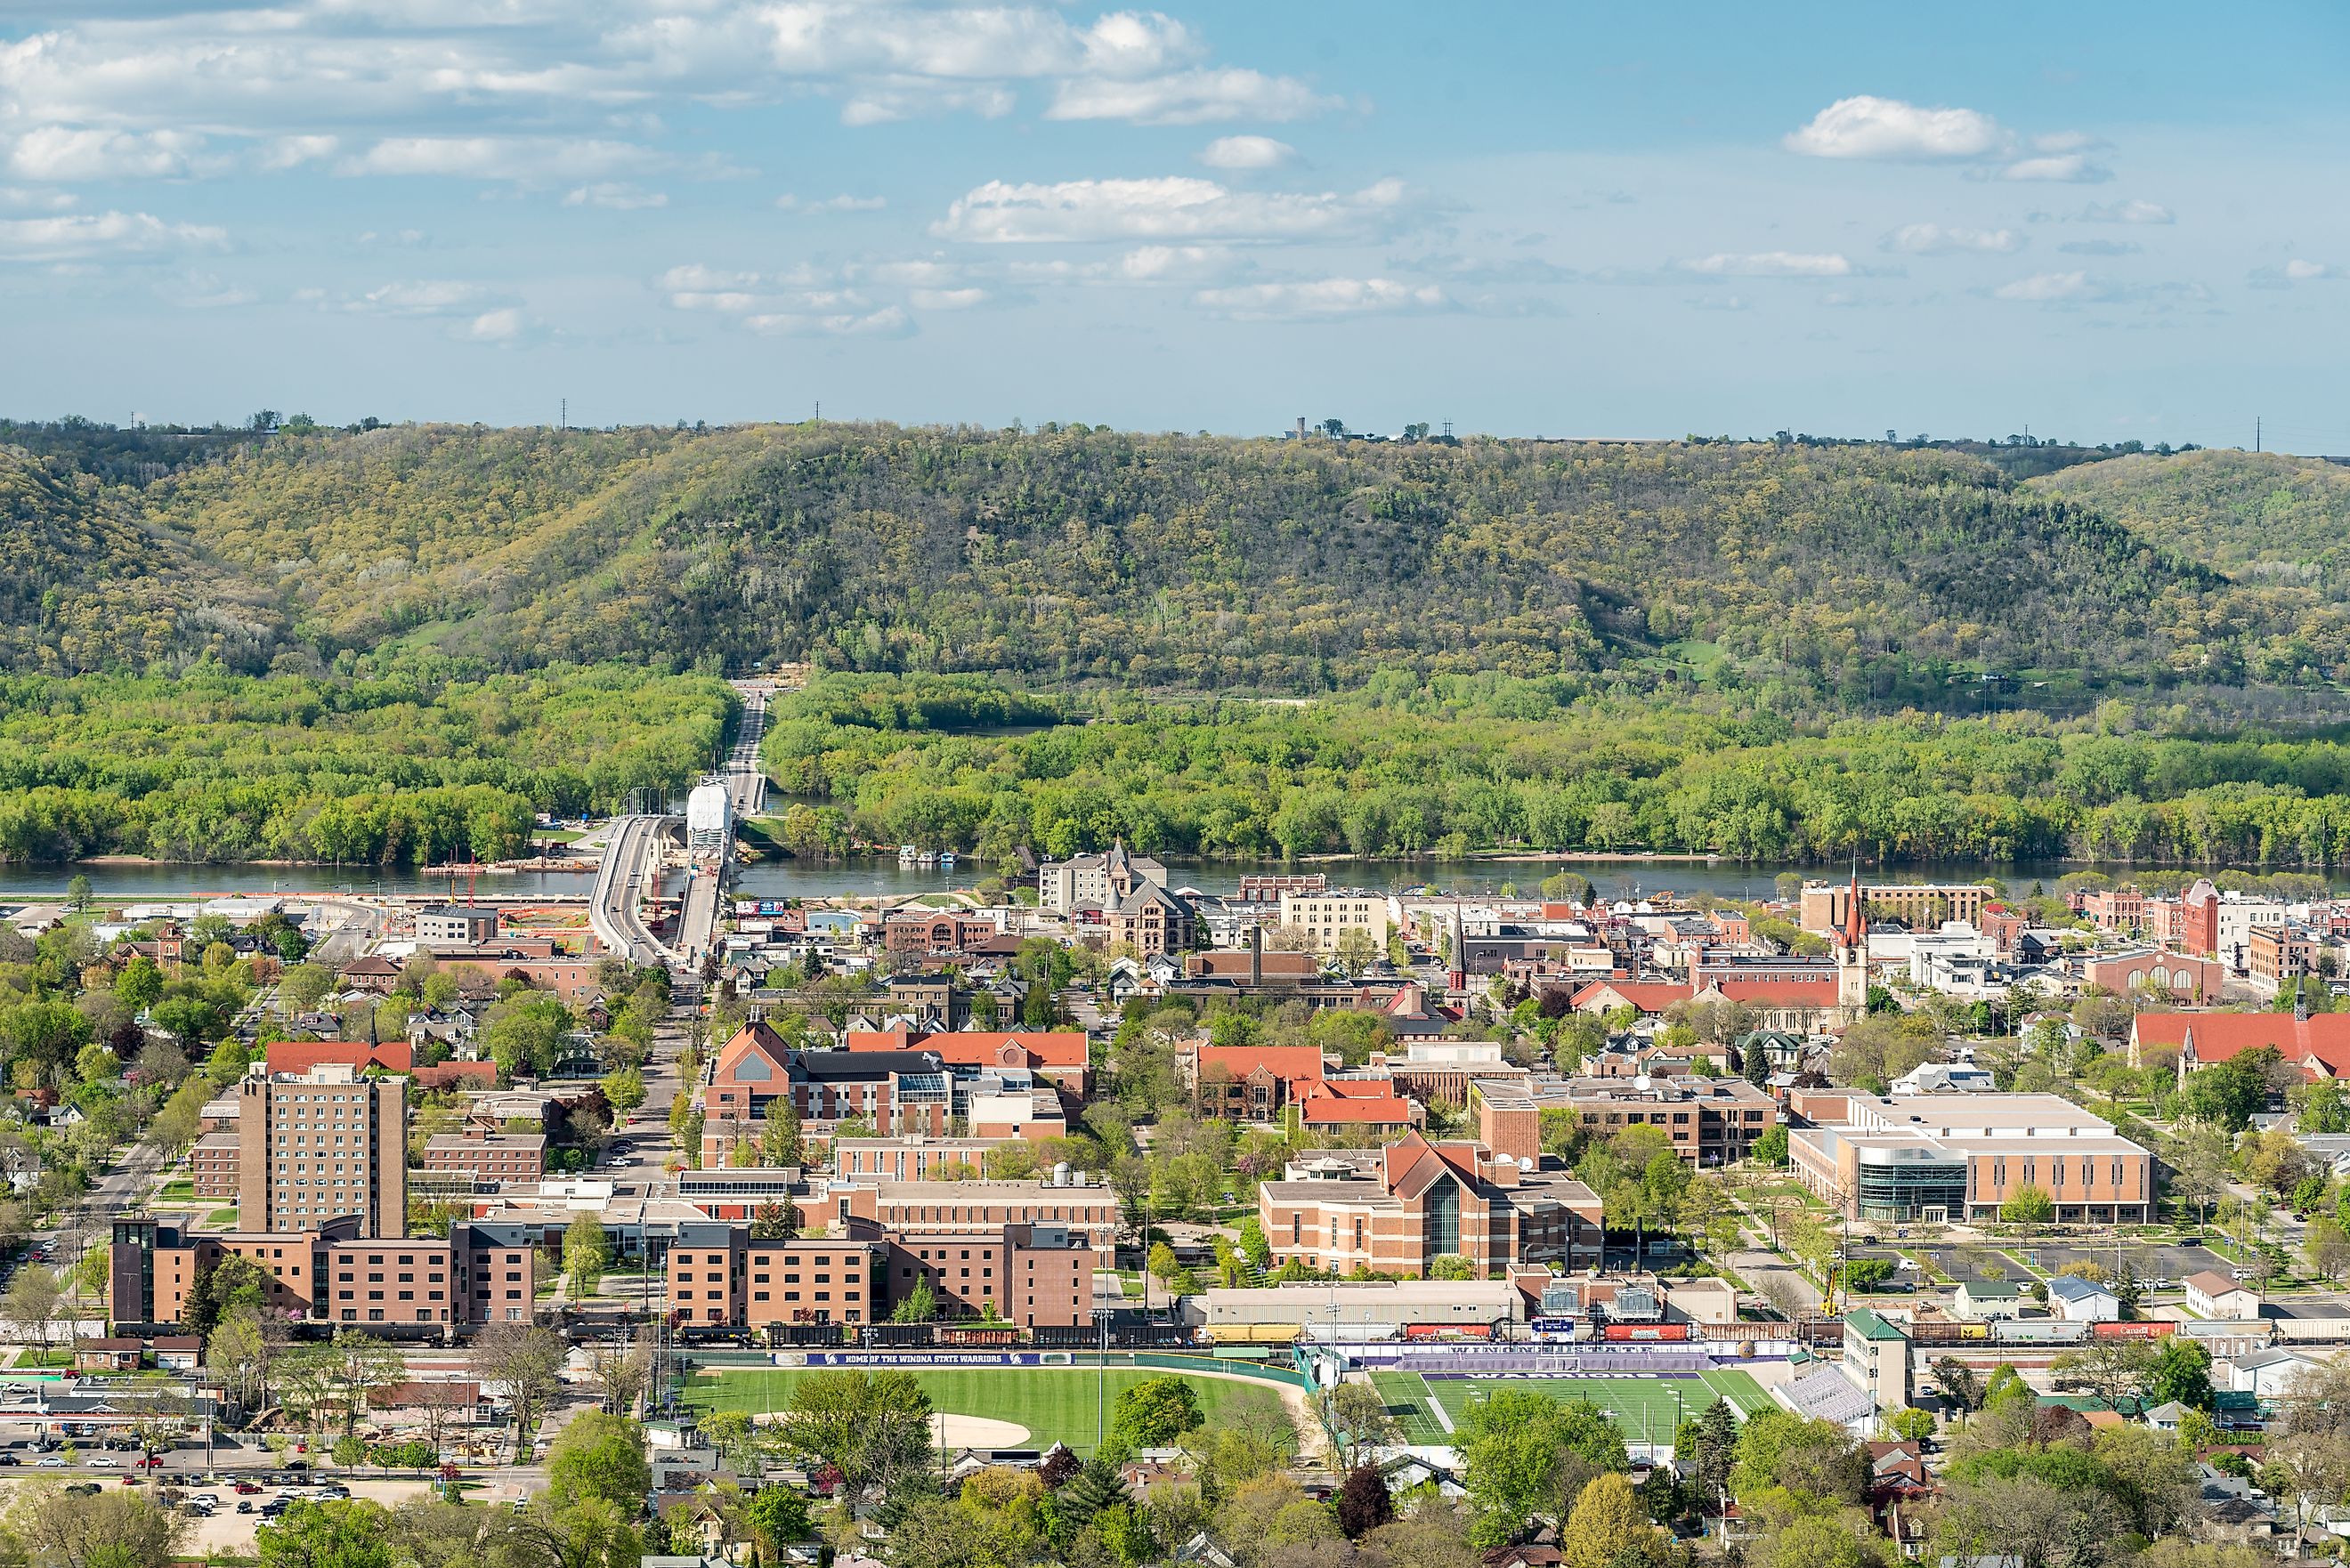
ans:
(2183, 1373)
(2028, 1205)
(587, 1252)
(598, 1456)
(353, 1534)
(1156, 1411)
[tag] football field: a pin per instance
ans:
(1010, 1407)
(1645, 1409)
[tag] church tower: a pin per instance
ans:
(1852, 953)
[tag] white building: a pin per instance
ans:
(1326, 917)
(1098, 881)
(2217, 1295)
(2081, 1300)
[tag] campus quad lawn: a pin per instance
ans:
(1054, 1403)
(1628, 1399)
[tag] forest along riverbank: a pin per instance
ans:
(117, 880)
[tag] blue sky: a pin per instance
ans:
(2104, 223)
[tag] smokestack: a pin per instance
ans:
(1256, 946)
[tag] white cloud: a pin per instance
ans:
(1246, 152)
(499, 158)
(2130, 211)
(1168, 264)
(502, 326)
(1867, 127)
(203, 291)
(888, 322)
(1772, 263)
(15, 199)
(287, 74)
(87, 234)
(617, 194)
(2301, 269)
(947, 298)
(694, 277)
(1935, 239)
(841, 204)
(2051, 287)
(61, 153)
(425, 298)
(1320, 299)
(1190, 98)
(293, 151)
(1168, 208)
(2062, 168)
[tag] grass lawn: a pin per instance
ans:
(180, 1189)
(1055, 1403)
(1632, 1401)
(223, 1217)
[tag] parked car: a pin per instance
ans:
(104, 1463)
(297, 1464)
(7, 1458)
(247, 1489)
(151, 1462)
(245, 1505)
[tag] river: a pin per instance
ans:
(884, 878)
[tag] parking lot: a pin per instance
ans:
(1960, 1263)
(228, 1532)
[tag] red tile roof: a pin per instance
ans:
(1063, 1049)
(1647, 995)
(448, 1075)
(1385, 1111)
(2319, 1045)
(1293, 1064)
(1779, 993)
(301, 1056)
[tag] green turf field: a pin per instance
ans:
(1055, 1403)
(1633, 1401)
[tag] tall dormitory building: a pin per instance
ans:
(319, 1145)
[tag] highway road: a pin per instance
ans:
(745, 784)
(632, 857)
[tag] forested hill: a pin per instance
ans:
(2257, 516)
(88, 582)
(1856, 575)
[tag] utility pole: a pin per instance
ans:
(563, 419)
(2256, 433)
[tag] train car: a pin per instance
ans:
(2132, 1330)
(1252, 1333)
(990, 1337)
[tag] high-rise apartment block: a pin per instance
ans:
(322, 1145)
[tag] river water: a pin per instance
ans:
(884, 878)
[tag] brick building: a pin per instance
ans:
(322, 1145)
(898, 1092)
(489, 1157)
(925, 934)
(1397, 1209)
(718, 1276)
(212, 1164)
(1711, 1121)
(974, 1208)
(480, 1274)
(1028, 1274)
(1938, 1158)
(907, 1158)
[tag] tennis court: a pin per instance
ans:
(1645, 1409)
